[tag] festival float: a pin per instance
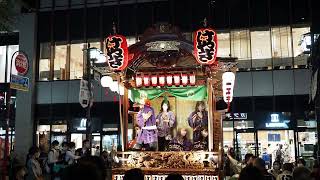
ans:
(173, 85)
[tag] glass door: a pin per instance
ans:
(109, 141)
(78, 139)
(307, 145)
(245, 143)
(96, 144)
(278, 144)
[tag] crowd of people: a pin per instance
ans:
(61, 162)
(66, 162)
(254, 168)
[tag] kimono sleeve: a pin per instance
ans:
(140, 120)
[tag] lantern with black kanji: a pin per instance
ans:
(117, 52)
(205, 46)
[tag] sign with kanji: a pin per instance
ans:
(117, 52)
(205, 46)
(85, 97)
(241, 116)
(21, 63)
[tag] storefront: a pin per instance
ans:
(68, 123)
(269, 134)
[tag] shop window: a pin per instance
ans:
(60, 62)
(43, 137)
(243, 124)
(77, 139)
(3, 50)
(223, 44)
(281, 46)
(261, 48)
(109, 141)
(95, 44)
(76, 60)
(240, 47)
(300, 58)
(44, 62)
(11, 50)
(59, 128)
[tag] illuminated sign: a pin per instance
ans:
(83, 125)
(237, 116)
(163, 177)
(275, 122)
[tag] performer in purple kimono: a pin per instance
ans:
(181, 142)
(198, 119)
(147, 138)
(165, 121)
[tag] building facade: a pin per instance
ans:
(270, 40)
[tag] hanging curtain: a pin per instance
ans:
(187, 93)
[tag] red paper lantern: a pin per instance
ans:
(117, 52)
(169, 80)
(192, 79)
(138, 81)
(146, 80)
(205, 46)
(176, 79)
(154, 80)
(162, 80)
(184, 79)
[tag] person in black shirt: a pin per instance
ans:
(261, 165)
(85, 150)
(250, 173)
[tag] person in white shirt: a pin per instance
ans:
(70, 154)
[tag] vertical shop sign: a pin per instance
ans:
(84, 95)
(205, 46)
(117, 52)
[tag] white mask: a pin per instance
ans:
(165, 107)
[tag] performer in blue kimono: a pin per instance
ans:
(198, 120)
(165, 121)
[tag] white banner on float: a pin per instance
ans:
(163, 177)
